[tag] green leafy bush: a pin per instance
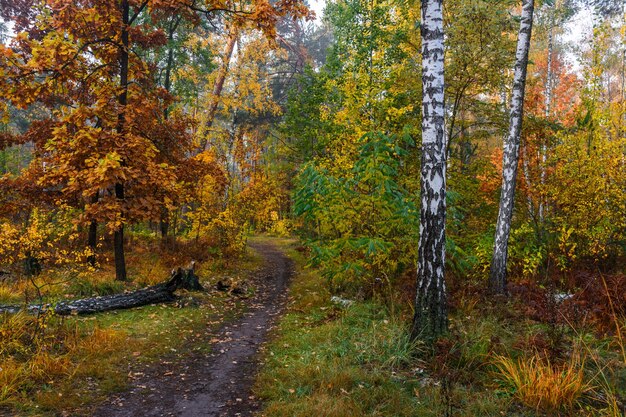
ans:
(362, 222)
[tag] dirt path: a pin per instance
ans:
(217, 384)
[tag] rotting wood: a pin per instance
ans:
(160, 293)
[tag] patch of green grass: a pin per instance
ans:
(326, 360)
(82, 287)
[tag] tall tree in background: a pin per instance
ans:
(430, 318)
(497, 276)
(118, 237)
(547, 98)
(552, 16)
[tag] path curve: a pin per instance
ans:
(218, 384)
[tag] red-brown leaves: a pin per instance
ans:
(595, 299)
(73, 72)
(600, 301)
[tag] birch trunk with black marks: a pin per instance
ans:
(497, 276)
(431, 318)
(526, 171)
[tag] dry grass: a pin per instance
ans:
(621, 341)
(12, 292)
(541, 385)
(36, 351)
(51, 364)
(11, 376)
(7, 293)
(45, 366)
(14, 332)
(100, 341)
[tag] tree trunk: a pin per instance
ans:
(547, 105)
(164, 224)
(167, 84)
(221, 78)
(118, 242)
(527, 180)
(92, 242)
(622, 130)
(430, 320)
(118, 237)
(160, 293)
(497, 276)
(92, 236)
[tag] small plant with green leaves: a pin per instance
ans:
(366, 221)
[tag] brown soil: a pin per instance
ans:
(219, 383)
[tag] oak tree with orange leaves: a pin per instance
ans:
(107, 146)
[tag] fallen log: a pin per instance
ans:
(160, 293)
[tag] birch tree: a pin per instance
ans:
(555, 13)
(430, 318)
(547, 103)
(497, 277)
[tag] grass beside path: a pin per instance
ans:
(327, 360)
(64, 365)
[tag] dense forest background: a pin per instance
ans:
(173, 130)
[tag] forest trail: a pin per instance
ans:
(218, 383)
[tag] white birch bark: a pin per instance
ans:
(497, 276)
(430, 318)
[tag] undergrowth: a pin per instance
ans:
(541, 385)
(357, 360)
(51, 365)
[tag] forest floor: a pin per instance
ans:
(217, 383)
(276, 343)
(195, 356)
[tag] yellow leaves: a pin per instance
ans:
(10, 240)
(394, 113)
(110, 166)
(587, 187)
(104, 172)
(46, 236)
(206, 157)
(567, 247)
(325, 113)
(56, 52)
